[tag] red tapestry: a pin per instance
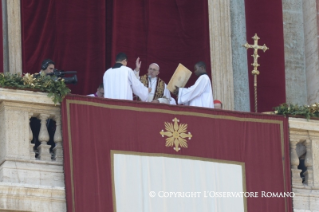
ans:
(93, 127)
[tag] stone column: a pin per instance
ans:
(239, 55)
(220, 52)
(296, 85)
(11, 26)
(311, 49)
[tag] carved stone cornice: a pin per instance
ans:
(23, 96)
(300, 124)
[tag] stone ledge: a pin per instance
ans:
(24, 96)
(35, 161)
(33, 164)
(29, 198)
(306, 192)
(303, 124)
(32, 191)
(32, 173)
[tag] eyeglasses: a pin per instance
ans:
(152, 69)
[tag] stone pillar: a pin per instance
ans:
(239, 55)
(58, 151)
(295, 172)
(44, 149)
(14, 138)
(296, 85)
(220, 52)
(309, 164)
(32, 153)
(314, 146)
(311, 50)
(11, 26)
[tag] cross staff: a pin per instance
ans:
(255, 72)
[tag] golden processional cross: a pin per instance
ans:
(255, 72)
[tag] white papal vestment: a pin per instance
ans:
(152, 82)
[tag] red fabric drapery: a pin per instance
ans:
(85, 36)
(75, 34)
(264, 17)
(92, 127)
(165, 32)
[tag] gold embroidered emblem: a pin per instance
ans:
(176, 135)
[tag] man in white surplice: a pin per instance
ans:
(159, 92)
(200, 94)
(120, 81)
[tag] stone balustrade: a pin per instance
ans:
(304, 156)
(27, 182)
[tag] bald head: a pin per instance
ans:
(153, 70)
(155, 65)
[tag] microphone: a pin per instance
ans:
(149, 81)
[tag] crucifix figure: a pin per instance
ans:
(255, 72)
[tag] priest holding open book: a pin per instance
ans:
(200, 94)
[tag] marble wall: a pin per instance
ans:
(295, 67)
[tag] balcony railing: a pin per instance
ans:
(304, 155)
(33, 176)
